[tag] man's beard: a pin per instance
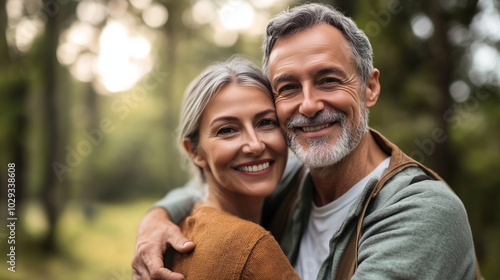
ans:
(320, 153)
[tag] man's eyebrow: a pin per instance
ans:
(322, 71)
(330, 70)
(283, 78)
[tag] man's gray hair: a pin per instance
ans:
(309, 15)
(204, 87)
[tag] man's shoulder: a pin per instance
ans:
(413, 188)
(415, 178)
(421, 221)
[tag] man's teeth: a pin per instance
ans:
(254, 168)
(314, 128)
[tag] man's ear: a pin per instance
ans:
(372, 89)
(192, 151)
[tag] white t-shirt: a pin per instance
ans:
(324, 222)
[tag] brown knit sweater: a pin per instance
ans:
(228, 247)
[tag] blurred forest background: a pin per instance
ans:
(90, 93)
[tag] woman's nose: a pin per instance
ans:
(253, 144)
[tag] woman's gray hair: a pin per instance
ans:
(309, 15)
(200, 91)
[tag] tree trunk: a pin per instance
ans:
(51, 196)
(441, 55)
(14, 90)
(173, 31)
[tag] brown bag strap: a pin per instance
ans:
(347, 264)
(349, 261)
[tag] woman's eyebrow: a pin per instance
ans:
(232, 118)
(224, 118)
(265, 112)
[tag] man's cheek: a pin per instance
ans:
(282, 118)
(283, 110)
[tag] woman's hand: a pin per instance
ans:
(154, 233)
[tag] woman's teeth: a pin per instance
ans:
(254, 168)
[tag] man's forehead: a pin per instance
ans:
(320, 45)
(321, 31)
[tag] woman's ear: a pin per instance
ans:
(192, 151)
(372, 89)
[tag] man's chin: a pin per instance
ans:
(314, 156)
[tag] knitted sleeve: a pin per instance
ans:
(267, 261)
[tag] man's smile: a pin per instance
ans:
(315, 128)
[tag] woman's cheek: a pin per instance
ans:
(278, 141)
(224, 151)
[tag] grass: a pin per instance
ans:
(100, 247)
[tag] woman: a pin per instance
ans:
(229, 130)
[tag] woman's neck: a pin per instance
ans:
(242, 206)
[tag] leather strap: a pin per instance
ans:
(348, 262)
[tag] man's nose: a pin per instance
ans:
(311, 103)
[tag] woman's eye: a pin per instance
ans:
(225, 131)
(268, 123)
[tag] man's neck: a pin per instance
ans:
(332, 182)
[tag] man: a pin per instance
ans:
(364, 209)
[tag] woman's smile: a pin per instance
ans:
(255, 168)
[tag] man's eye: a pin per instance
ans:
(225, 131)
(287, 87)
(329, 81)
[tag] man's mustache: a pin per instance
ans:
(326, 115)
